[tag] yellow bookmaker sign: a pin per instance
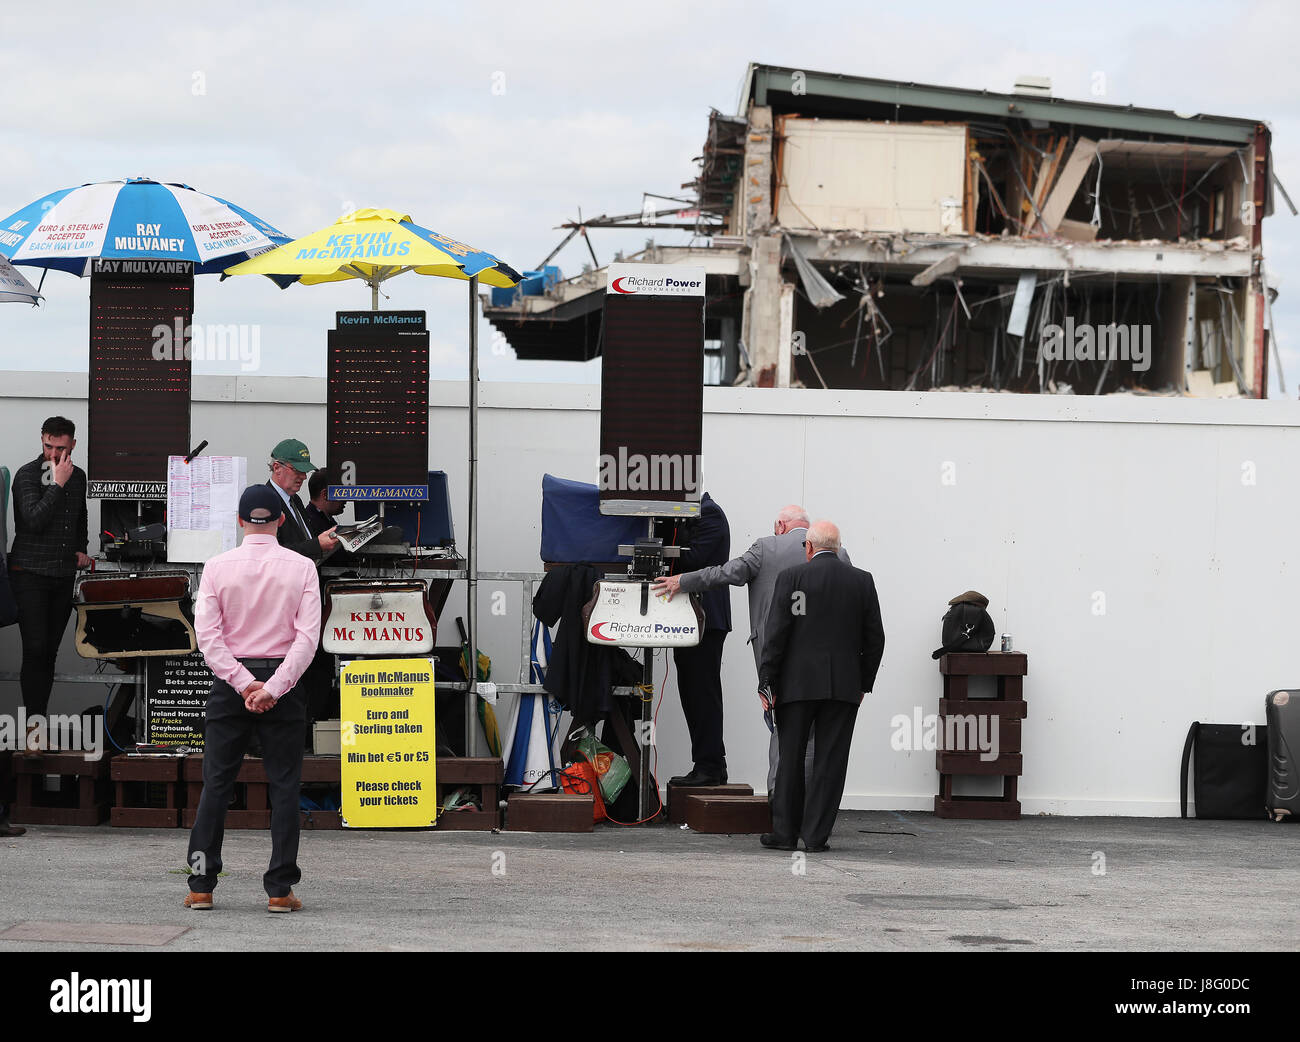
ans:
(387, 743)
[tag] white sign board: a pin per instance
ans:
(617, 618)
(203, 496)
(377, 619)
(655, 280)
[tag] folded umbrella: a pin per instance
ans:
(532, 745)
(14, 287)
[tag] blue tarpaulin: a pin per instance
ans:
(573, 528)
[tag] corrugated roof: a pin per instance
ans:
(768, 83)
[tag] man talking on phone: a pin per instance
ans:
(50, 544)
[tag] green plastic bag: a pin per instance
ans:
(611, 769)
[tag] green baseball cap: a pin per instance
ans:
(295, 454)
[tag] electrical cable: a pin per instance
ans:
(108, 698)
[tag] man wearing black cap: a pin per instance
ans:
(257, 617)
(290, 464)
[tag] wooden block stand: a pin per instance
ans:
(250, 785)
(323, 769)
(82, 797)
(549, 812)
(1008, 707)
(487, 773)
(679, 797)
(130, 775)
(729, 815)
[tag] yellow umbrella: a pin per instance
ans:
(373, 246)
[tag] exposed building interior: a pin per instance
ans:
(863, 233)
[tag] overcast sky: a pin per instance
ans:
(495, 123)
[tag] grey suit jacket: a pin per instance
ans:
(756, 568)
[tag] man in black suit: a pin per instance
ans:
(320, 510)
(303, 533)
(706, 541)
(823, 647)
(290, 464)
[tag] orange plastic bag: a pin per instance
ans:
(580, 779)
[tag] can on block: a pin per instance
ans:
(1006, 642)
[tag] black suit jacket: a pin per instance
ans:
(824, 637)
(709, 540)
(294, 534)
(317, 520)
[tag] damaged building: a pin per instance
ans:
(865, 233)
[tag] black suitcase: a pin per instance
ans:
(1282, 711)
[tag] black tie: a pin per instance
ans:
(297, 513)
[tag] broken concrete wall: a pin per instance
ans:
(1089, 336)
(840, 178)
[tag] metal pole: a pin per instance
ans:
(471, 607)
(645, 739)
(526, 636)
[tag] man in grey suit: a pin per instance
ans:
(757, 568)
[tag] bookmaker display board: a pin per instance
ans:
(378, 406)
(139, 390)
(652, 391)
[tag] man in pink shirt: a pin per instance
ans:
(257, 618)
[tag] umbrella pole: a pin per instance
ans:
(374, 295)
(471, 657)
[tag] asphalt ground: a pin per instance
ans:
(892, 881)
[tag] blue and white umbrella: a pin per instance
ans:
(137, 218)
(14, 287)
(532, 748)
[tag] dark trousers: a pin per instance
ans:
(808, 812)
(44, 604)
(230, 726)
(699, 680)
(317, 682)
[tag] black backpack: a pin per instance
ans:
(967, 625)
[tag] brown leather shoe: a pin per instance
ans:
(283, 904)
(198, 901)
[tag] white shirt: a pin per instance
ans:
(291, 515)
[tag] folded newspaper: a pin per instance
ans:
(353, 537)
